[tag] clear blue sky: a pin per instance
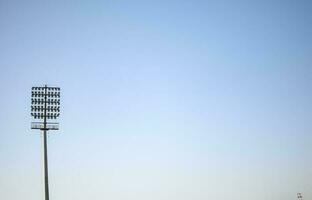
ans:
(161, 100)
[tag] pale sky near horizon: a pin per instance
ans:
(161, 100)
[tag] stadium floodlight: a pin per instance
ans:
(45, 105)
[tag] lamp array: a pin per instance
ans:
(48, 109)
(45, 102)
(43, 94)
(42, 116)
(43, 88)
(41, 101)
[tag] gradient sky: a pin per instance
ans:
(161, 100)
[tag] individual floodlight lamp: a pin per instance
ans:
(45, 106)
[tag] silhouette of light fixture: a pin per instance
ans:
(45, 105)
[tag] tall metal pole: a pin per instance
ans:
(45, 146)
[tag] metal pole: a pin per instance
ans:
(45, 146)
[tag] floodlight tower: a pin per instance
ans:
(299, 196)
(45, 105)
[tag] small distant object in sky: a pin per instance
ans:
(299, 196)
